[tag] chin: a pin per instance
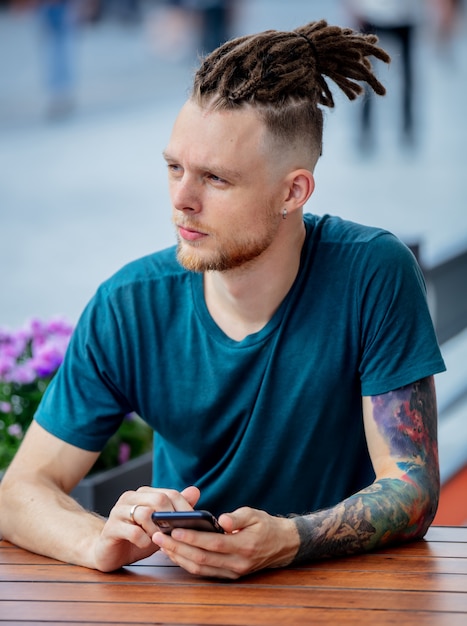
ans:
(190, 260)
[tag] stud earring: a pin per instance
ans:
(284, 214)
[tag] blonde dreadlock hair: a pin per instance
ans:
(282, 74)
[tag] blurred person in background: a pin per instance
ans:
(58, 23)
(126, 11)
(398, 20)
(447, 15)
(216, 17)
(205, 24)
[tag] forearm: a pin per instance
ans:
(400, 428)
(387, 511)
(41, 518)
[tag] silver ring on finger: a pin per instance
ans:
(132, 513)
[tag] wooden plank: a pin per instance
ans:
(447, 533)
(10, 553)
(374, 562)
(148, 613)
(237, 595)
(423, 548)
(414, 556)
(377, 564)
(434, 533)
(381, 563)
(17, 555)
(391, 580)
(404, 569)
(437, 543)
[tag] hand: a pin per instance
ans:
(254, 540)
(123, 541)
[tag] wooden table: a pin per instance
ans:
(420, 583)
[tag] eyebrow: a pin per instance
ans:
(167, 156)
(218, 170)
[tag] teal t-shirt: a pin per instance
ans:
(273, 421)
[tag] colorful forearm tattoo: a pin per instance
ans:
(391, 509)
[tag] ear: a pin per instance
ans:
(300, 186)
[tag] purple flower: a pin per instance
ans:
(28, 357)
(36, 350)
(47, 357)
(15, 430)
(7, 363)
(59, 326)
(13, 346)
(23, 374)
(124, 452)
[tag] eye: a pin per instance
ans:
(216, 179)
(174, 169)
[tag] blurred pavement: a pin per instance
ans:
(81, 196)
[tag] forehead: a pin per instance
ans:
(205, 136)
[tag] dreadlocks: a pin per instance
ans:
(282, 74)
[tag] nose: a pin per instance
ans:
(185, 194)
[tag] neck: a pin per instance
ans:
(243, 300)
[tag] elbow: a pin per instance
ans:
(430, 513)
(425, 508)
(414, 509)
(4, 507)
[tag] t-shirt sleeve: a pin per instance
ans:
(398, 340)
(83, 405)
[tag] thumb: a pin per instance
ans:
(237, 520)
(191, 495)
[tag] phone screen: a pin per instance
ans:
(195, 520)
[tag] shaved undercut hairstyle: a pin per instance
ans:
(282, 75)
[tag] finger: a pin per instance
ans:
(235, 521)
(118, 528)
(167, 499)
(141, 515)
(209, 541)
(191, 494)
(199, 561)
(135, 508)
(200, 569)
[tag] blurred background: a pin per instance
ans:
(89, 90)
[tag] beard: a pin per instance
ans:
(230, 254)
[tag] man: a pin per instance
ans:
(284, 361)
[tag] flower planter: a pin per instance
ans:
(29, 359)
(99, 492)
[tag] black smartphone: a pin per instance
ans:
(196, 520)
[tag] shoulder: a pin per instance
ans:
(155, 272)
(359, 254)
(335, 232)
(152, 267)
(139, 289)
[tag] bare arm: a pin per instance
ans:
(401, 433)
(37, 514)
(35, 510)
